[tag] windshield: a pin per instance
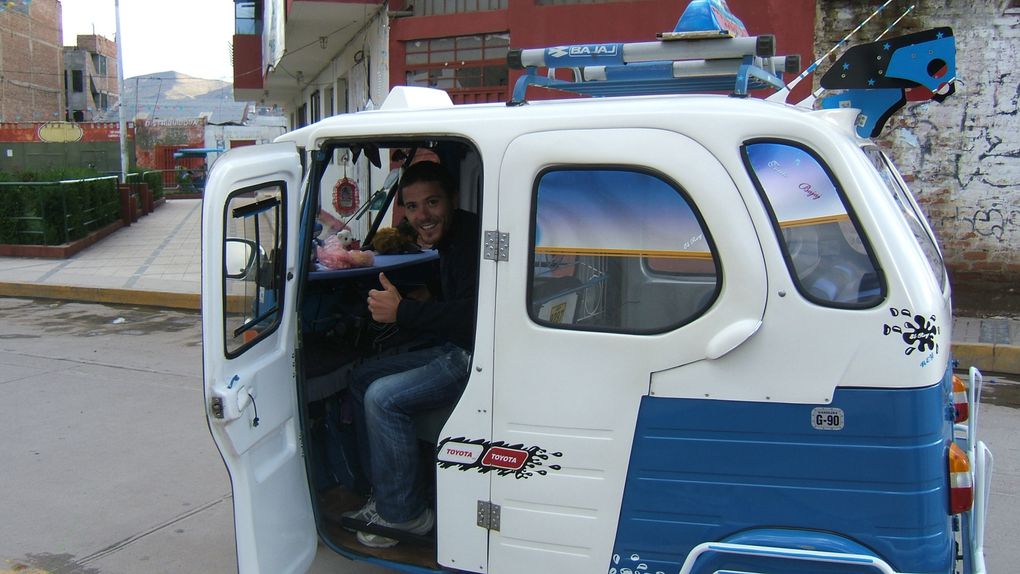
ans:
(911, 212)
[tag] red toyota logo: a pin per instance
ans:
(508, 458)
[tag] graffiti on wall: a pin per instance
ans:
(993, 223)
(961, 157)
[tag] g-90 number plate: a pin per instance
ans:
(827, 418)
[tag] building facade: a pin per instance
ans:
(320, 58)
(31, 61)
(90, 78)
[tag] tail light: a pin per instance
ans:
(961, 481)
(960, 404)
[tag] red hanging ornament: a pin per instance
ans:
(345, 196)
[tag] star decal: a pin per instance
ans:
(871, 82)
(846, 66)
(886, 46)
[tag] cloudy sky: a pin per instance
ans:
(187, 36)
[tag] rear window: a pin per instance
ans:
(825, 250)
(911, 212)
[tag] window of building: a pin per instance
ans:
(99, 64)
(436, 7)
(343, 96)
(828, 256)
(600, 245)
(77, 81)
(247, 17)
(459, 64)
(315, 105)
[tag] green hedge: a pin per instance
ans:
(36, 211)
(155, 181)
(152, 177)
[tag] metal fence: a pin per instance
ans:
(153, 178)
(170, 182)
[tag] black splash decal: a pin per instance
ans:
(917, 331)
(495, 456)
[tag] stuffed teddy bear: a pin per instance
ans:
(400, 239)
(346, 238)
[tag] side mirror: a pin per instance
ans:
(240, 258)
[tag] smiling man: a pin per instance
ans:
(389, 391)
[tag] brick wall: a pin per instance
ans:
(961, 157)
(31, 67)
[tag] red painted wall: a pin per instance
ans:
(62, 132)
(247, 62)
(152, 136)
(533, 26)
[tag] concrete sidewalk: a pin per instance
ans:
(157, 262)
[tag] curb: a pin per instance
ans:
(988, 357)
(164, 299)
(60, 251)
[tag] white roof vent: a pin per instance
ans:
(416, 98)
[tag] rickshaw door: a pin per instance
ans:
(609, 268)
(249, 321)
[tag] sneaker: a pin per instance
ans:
(421, 525)
(366, 513)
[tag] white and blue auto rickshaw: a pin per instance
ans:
(712, 332)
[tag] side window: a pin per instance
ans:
(910, 212)
(826, 252)
(252, 261)
(617, 250)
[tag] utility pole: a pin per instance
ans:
(120, 98)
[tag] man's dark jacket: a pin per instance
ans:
(451, 314)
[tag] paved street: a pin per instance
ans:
(107, 465)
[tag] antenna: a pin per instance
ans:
(809, 101)
(781, 95)
(895, 22)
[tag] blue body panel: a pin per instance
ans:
(704, 470)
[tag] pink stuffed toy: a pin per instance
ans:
(333, 255)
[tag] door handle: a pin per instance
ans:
(228, 402)
(730, 337)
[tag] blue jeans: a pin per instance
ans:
(388, 392)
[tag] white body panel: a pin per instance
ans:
(577, 392)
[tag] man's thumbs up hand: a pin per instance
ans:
(383, 304)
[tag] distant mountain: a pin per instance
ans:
(175, 96)
(175, 86)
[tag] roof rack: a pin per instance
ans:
(708, 51)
